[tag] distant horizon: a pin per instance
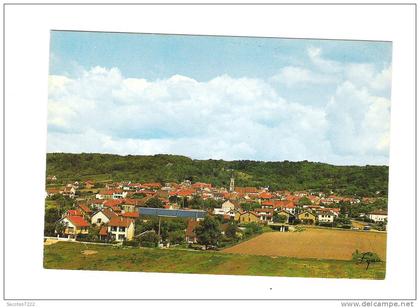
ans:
(231, 98)
(226, 160)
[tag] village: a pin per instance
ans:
(112, 212)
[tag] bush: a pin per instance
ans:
(252, 228)
(131, 243)
(176, 237)
(149, 239)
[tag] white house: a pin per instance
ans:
(102, 217)
(228, 208)
(378, 216)
(121, 228)
(327, 217)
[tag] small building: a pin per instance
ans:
(307, 218)
(378, 216)
(102, 217)
(121, 228)
(247, 217)
(326, 216)
(75, 226)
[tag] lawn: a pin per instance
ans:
(67, 255)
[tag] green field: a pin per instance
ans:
(64, 255)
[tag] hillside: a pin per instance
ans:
(348, 180)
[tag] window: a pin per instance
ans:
(122, 229)
(121, 236)
(99, 220)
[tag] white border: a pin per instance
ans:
(27, 47)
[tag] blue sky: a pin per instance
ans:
(219, 97)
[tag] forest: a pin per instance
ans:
(285, 175)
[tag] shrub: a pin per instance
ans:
(149, 239)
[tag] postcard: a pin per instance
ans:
(223, 155)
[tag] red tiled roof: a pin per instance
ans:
(78, 221)
(120, 222)
(201, 185)
(74, 213)
(85, 208)
(130, 214)
(111, 191)
(266, 195)
(152, 185)
(113, 202)
(284, 204)
(108, 213)
(246, 190)
(183, 192)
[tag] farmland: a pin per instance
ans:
(313, 243)
(64, 255)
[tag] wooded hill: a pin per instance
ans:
(347, 180)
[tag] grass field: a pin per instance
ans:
(313, 243)
(64, 255)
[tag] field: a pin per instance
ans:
(78, 256)
(313, 243)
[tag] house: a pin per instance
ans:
(69, 192)
(307, 218)
(132, 215)
(266, 215)
(102, 217)
(227, 209)
(289, 217)
(228, 206)
(326, 217)
(120, 228)
(111, 194)
(52, 191)
(75, 226)
(190, 236)
(378, 216)
(85, 210)
(153, 186)
(73, 213)
(246, 217)
(265, 196)
(89, 184)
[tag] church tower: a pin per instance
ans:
(232, 184)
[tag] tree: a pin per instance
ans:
(365, 257)
(176, 237)
(279, 218)
(208, 232)
(154, 202)
(149, 239)
(252, 228)
(231, 231)
(304, 201)
(59, 228)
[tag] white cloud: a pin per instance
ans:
(293, 75)
(229, 118)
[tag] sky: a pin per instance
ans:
(217, 97)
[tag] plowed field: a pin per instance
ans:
(313, 243)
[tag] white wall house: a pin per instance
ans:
(326, 217)
(102, 217)
(378, 216)
(121, 228)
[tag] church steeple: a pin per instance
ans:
(232, 184)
